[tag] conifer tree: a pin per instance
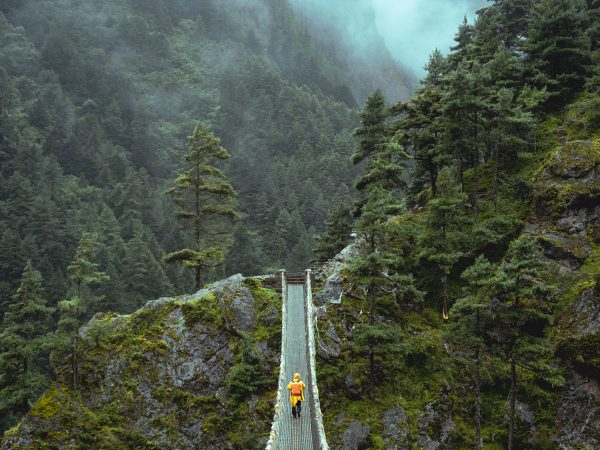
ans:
(523, 290)
(509, 128)
(467, 331)
(336, 235)
(464, 41)
(83, 270)
(369, 271)
(373, 131)
(558, 54)
(374, 338)
(421, 126)
(203, 196)
(443, 238)
(465, 111)
(23, 348)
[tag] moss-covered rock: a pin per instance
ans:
(158, 378)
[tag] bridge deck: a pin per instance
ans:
(296, 434)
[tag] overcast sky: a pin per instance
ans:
(413, 28)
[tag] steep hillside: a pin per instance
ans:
(98, 101)
(426, 400)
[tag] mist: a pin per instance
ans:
(411, 29)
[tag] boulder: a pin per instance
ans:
(395, 429)
(355, 436)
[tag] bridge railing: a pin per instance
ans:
(319, 438)
(281, 386)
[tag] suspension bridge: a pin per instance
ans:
(297, 356)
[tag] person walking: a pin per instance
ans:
(296, 389)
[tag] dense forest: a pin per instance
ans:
(474, 205)
(98, 102)
(464, 294)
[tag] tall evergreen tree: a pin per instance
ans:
(509, 129)
(523, 290)
(23, 349)
(442, 241)
(203, 196)
(83, 270)
(472, 315)
(558, 54)
(465, 109)
(374, 337)
(373, 131)
(421, 125)
(336, 235)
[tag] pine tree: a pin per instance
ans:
(509, 128)
(443, 238)
(373, 131)
(558, 54)
(23, 349)
(203, 196)
(464, 42)
(83, 270)
(465, 112)
(523, 291)
(66, 338)
(336, 235)
(421, 126)
(472, 314)
(374, 338)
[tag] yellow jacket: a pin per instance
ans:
(294, 398)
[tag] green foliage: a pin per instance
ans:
(202, 194)
(24, 344)
(336, 235)
(245, 378)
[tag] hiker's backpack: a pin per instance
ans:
(296, 389)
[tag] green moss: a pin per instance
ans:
(49, 404)
(583, 351)
(205, 310)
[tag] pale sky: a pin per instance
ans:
(412, 29)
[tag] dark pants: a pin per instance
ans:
(296, 409)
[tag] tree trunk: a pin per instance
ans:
(371, 295)
(432, 179)
(478, 439)
(496, 177)
(445, 295)
(474, 191)
(75, 362)
(197, 276)
(513, 398)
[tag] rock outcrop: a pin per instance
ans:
(168, 376)
(567, 212)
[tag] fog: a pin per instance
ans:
(411, 29)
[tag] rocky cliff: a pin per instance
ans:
(187, 372)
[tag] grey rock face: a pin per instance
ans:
(237, 299)
(165, 370)
(395, 429)
(332, 287)
(328, 346)
(355, 436)
(430, 421)
(578, 418)
(584, 317)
